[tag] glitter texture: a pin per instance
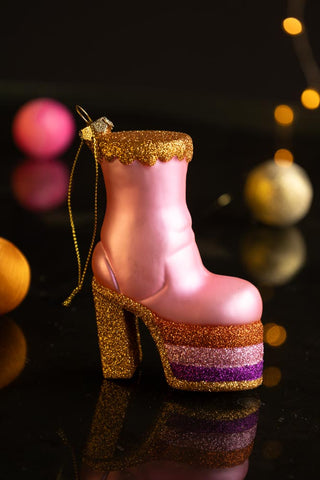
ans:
(146, 146)
(215, 433)
(121, 352)
(213, 374)
(215, 357)
(207, 426)
(218, 442)
(214, 336)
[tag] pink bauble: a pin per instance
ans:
(40, 186)
(43, 128)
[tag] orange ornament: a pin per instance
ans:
(14, 276)
(13, 351)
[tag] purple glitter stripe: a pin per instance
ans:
(180, 422)
(213, 374)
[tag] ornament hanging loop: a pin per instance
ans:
(83, 114)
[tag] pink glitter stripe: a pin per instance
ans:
(215, 357)
(218, 442)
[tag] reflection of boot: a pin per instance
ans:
(189, 434)
(206, 327)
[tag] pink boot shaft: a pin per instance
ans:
(148, 240)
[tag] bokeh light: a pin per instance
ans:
(40, 186)
(224, 199)
(271, 376)
(274, 335)
(310, 98)
(283, 115)
(292, 26)
(283, 157)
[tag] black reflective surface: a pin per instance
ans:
(49, 413)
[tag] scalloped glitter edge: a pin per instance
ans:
(145, 146)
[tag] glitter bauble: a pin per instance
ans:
(43, 128)
(272, 256)
(13, 351)
(278, 194)
(14, 276)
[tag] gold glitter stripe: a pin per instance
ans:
(214, 386)
(146, 146)
(214, 336)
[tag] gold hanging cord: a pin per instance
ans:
(81, 275)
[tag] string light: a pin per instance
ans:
(271, 376)
(292, 26)
(283, 115)
(283, 157)
(310, 98)
(274, 335)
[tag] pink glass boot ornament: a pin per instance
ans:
(206, 327)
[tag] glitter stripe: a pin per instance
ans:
(196, 374)
(213, 336)
(200, 426)
(215, 357)
(194, 456)
(209, 442)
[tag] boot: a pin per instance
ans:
(147, 265)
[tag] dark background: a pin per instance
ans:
(215, 70)
(227, 62)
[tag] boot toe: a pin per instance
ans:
(243, 304)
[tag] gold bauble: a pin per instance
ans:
(14, 276)
(272, 256)
(278, 194)
(13, 351)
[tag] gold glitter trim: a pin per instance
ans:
(146, 146)
(120, 342)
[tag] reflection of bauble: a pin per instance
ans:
(278, 195)
(273, 256)
(40, 186)
(13, 351)
(14, 276)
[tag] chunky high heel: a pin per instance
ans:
(206, 327)
(194, 357)
(119, 338)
